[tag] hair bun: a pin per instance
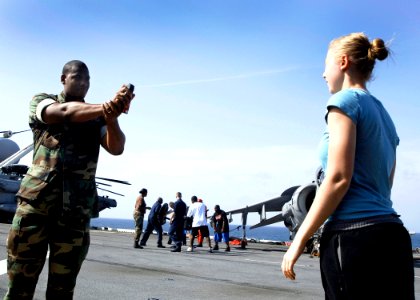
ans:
(378, 50)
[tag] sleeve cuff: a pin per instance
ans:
(41, 106)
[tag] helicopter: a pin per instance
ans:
(11, 174)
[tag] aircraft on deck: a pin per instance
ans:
(292, 206)
(11, 174)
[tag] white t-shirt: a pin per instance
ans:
(197, 210)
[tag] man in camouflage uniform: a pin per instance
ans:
(138, 215)
(58, 195)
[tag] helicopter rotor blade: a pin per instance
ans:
(110, 191)
(114, 180)
(9, 133)
(105, 184)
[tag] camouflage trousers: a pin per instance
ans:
(138, 223)
(37, 226)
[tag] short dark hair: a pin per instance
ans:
(143, 191)
(73, 63)
(194, 199)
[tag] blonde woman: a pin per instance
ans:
(358, 155)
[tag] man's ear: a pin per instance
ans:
(344, 62)
(63, 79)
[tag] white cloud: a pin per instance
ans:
(224, 78)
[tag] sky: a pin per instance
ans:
(230, 99)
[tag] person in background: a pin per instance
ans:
(163, 213)
(58, 196)
(199, 235)
(154, 222)
(198, 212)
(176, 230)
(358, 155)
(221, 228)
(138, 215)
(170, 213)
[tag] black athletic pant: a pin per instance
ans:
(374, 262)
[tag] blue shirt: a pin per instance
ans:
(180, 210)
(369, 193)
(154, 212)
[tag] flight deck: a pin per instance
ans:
(115, 270)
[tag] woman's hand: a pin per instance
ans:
(290, 258)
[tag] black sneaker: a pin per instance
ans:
(216, 247)
(161, 246)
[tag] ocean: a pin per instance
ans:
(272, 233)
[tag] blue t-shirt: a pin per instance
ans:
(369, 193)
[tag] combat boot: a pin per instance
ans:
(136, 245)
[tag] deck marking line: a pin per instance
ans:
(263, 261)
(3, 265)
(272, 262)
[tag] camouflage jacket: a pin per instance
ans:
(65, 155)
